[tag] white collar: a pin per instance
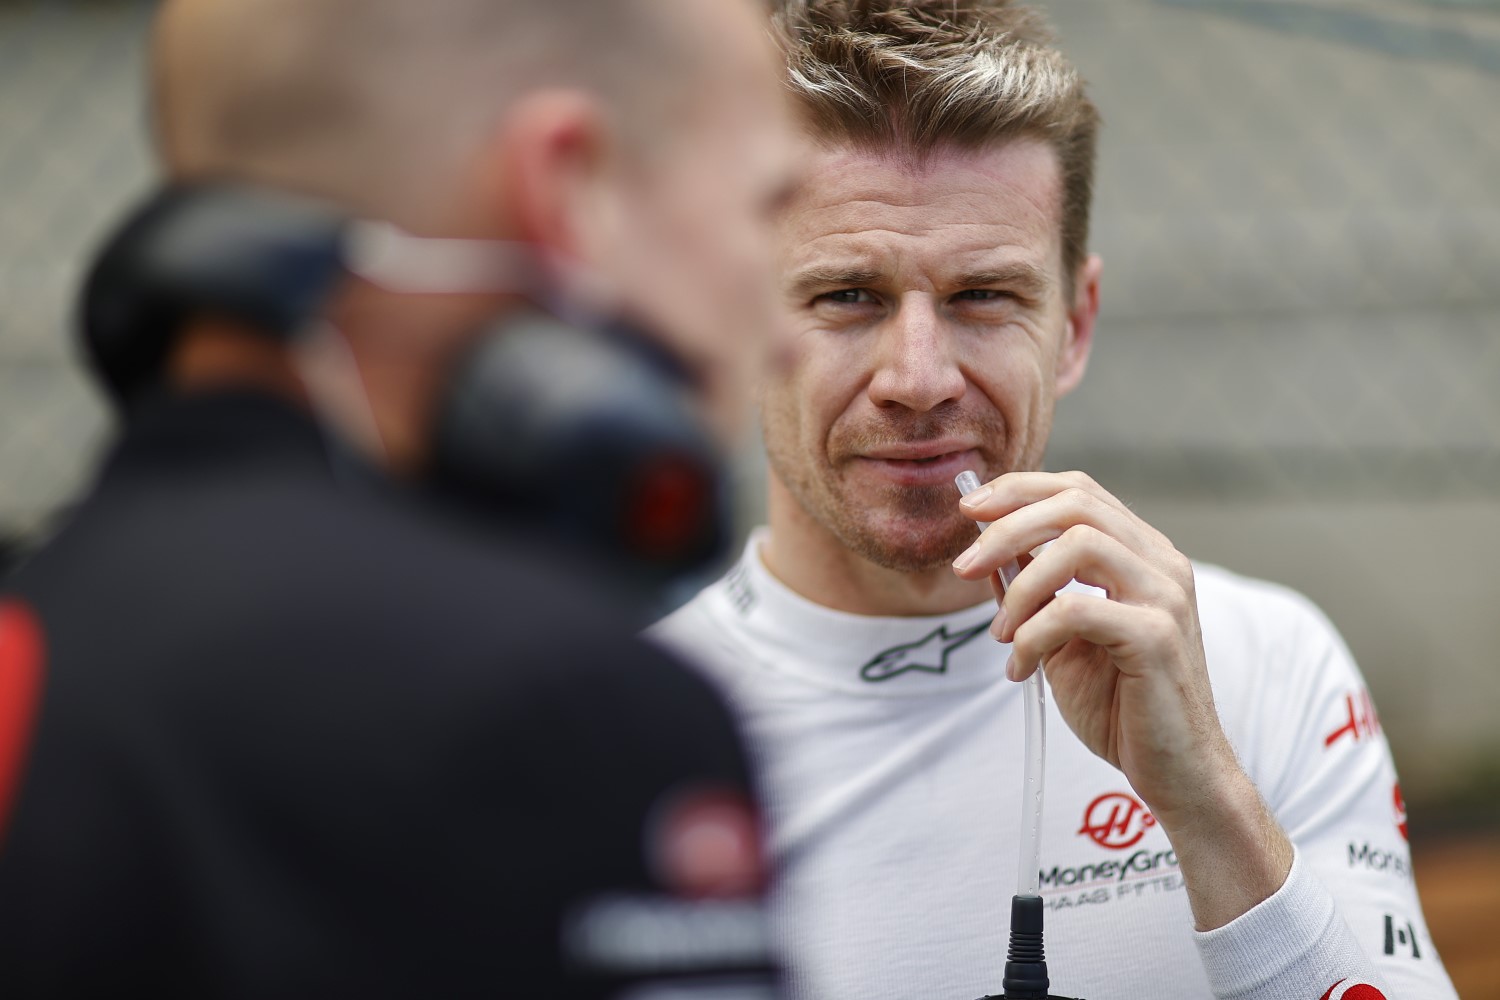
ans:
(878, 656)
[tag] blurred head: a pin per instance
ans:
(933, 265)
(636, 147)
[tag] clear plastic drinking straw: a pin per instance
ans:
(1034, 699)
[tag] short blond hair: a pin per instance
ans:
(911, 76)
(376, 104)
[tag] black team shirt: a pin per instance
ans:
(267, 735)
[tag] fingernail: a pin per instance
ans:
(997, 627)
(969, 555)
(1011, 670)
(977, 497)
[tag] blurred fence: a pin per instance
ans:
(1298, 364)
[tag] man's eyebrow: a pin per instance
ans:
(1017, 274)
(820, 277)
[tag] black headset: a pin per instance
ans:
(537, 410)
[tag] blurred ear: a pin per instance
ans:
(1078, 341)
(545, 172)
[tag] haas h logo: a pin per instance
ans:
(1116, 820)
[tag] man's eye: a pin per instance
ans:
(848, 296)
(982, 294)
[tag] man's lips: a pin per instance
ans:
(916, 451)
(921, 463)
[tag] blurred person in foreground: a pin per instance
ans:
(272, 726)
(1222, 815)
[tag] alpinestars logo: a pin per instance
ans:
(928, 654)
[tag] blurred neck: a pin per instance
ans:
(218, 357)
(213, 357)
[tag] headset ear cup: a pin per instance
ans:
(127, 323)
(266, 260)
(587, 432)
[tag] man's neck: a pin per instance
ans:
(810, 560)
(211, 357)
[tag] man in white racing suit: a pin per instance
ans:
(1222, 814)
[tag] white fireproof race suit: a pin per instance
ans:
(890, 750)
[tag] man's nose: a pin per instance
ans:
(917, 363)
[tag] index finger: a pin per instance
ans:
(1008, 493)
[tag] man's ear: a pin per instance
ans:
(544, 172)
(1078, 340)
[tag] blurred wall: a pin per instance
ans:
(1298, 364)
(72, 154)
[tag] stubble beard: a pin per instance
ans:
(908, 529)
